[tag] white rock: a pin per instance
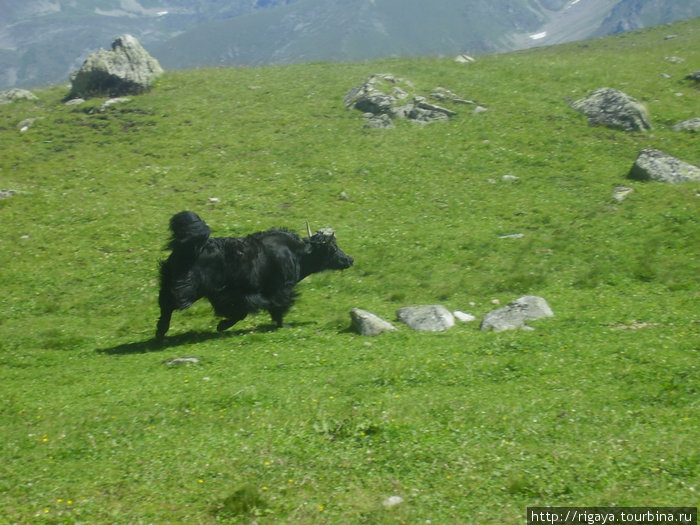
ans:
(182, 361)
(464, 317)
(392, 501)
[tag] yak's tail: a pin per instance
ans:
(190, 233)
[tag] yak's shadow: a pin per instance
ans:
(187, 338)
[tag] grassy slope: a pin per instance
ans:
(312, 424)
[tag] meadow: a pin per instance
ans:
(312, 423)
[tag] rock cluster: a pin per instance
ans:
(384, 98)
(437, 318)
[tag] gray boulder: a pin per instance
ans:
(12, 95)
(126, 69)
(653, 164)
(514, 315)
(692, 124)
(366, 323)
(428, 318)
(614, 109)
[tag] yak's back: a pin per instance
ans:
(264, 260)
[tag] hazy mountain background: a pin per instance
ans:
(43, 41)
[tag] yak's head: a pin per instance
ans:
(324, 253)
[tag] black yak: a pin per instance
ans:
(239, 275)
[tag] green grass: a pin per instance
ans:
(311, 423)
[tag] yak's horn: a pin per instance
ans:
(308, 229)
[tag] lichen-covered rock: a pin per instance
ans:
(429, 318)
(692, 124)
(514, 315)
(366, 323)
(14, 94)
(653, 164)
(615, 109)
(126, 69)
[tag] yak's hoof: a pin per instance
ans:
(224, 325)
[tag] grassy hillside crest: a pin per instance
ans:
(312, 423)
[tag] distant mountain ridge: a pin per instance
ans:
(43, 41)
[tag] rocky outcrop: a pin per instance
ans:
(384, 98)
(653, 164)
(613, 108)
(126, 69)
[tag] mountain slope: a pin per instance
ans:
(340, 30)
(628, 15)
(43, 42)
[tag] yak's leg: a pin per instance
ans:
(277, 314)
(281, 304)
(230, 321)
(166, 312)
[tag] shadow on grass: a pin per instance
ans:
(153, 345)
(187, 338)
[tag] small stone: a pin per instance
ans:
(182, 361)
(464, 317)
(112, 101)
(6, 194)
(620, 193)
(674, 60)
(392, 501)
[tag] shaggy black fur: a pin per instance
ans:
(239, 275)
